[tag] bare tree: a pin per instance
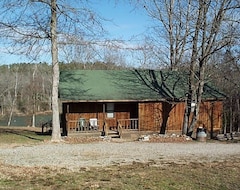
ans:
(192, 31)
(56, 133)
(34, 97)
(169, 34)
(34, 88)
(5, 86)
(34, 34)
(215, 28)
(226, 76)
(14, 98)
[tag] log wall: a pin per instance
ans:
(153, 115)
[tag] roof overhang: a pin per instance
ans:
(135, 100)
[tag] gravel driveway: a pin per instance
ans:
(76, 156)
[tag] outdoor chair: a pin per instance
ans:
(93, 124)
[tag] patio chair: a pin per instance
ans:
(93, 124)
(81, 124)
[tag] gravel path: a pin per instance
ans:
(76, 156)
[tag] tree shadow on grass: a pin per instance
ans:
(32, 135)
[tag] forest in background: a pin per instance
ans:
(26, 87)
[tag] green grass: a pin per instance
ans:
(16, 135)
(136, 176)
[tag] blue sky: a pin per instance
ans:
(127, 20)
(126, 23)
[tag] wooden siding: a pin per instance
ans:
(153, 115)
(149, 116)
(211, 116)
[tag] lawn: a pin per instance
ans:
(136, 176)
(22, 135)
(170, 176)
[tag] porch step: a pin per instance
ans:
(113, 134)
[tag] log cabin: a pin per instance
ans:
(134, 100)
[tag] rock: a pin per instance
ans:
(144, 138)
(188, 138)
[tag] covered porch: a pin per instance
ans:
(85, 117)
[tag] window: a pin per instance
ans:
(110, 110)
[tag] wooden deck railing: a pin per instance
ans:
(84, 125)
(129, 123)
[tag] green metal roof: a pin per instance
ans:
(120, 85)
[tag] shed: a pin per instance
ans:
(137, 100)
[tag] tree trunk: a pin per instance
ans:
(225, 124)
(33, 120)
(192, 75)
(186, 116)
(14, 99)
(56, 133)
(238, 112)
(231, 117)
(34, 96)
(198, 100)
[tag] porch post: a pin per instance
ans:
(104, 124)
(104, 112)
(138, 117)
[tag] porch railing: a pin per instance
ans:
(84, 125)
(131, 124)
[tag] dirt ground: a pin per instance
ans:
(155, 162)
